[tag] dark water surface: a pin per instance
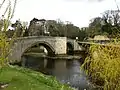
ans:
(66, 71)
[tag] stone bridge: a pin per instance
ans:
(54, 45)
(74, 45)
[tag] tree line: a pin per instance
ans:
(108, 24)
(38, 27)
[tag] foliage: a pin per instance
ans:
(111, 22)
(72, 31)
(82, 34)
(26, 79)
(4, 24)
(56, 28)
(61, 29)
(18, 29)
(103, 65)
(94, 27)
(108, 24)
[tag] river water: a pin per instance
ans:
(65, 70)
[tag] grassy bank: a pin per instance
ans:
(24, 79)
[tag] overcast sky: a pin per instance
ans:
(79, 12)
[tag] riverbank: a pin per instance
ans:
(18, 78)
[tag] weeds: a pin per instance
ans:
(103, 65)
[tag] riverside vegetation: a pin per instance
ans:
(103, 66)
(18, 78)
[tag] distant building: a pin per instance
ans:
(37, 27)
(99, 39)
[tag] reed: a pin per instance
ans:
(103, 65)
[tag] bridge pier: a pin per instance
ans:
(23, 61)
(60, 45)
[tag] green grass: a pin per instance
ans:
(24, 79)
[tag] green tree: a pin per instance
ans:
(111, 22)
(82, 33)
(94, 27)
(52, 27)
(72, 31)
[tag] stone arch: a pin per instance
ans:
(50, 49)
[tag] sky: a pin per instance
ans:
(79, 12)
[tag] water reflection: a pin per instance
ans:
(72, 75)
(66, 71)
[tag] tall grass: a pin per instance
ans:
(5, 44)
(103, 65)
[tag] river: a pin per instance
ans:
(65, 70)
